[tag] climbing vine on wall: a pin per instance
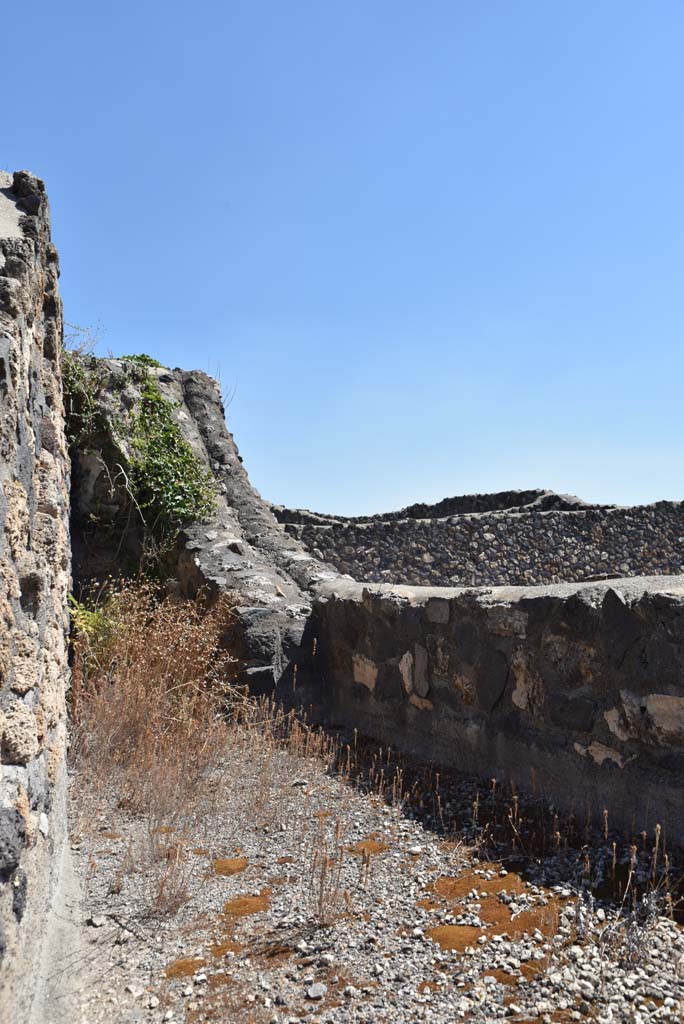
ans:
(171, 485)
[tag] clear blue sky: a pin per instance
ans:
(434, 247)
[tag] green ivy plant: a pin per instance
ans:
(93, 621)
(142, 359)
(170, 484)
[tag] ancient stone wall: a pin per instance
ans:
(499, 501)
(34, 582)
(537, 543)
(574, 692)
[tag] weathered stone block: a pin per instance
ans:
(19, 742)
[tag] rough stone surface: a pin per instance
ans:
(500, 501)
(478, 541)
(34, 581)
(242, 550)
(575, 692)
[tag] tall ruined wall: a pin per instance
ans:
(242, 550)
(34, 582)
(520, 546)
(574, 692)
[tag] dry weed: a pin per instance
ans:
(150, 702)
(162, 734)
(150, 685)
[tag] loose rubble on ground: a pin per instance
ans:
(302, 898)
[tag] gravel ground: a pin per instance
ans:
(301, 898)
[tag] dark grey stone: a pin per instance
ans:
(12, 841)
(491, 678)
(421, 683)
(569, 712)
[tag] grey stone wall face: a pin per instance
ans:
(518, 547)
(573, 692)
(34, 582)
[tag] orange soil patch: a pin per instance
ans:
(493, 913)
(458, 936)
(503, 977)
(184, 967)
(229, 946)
(285, 860)
(369, 847)
(455, 936)
(458, 887)
(428, 986)
(531, 969)
(499, 915)
(241, 906)
(231, 866)
(220, 978)
(427, 904)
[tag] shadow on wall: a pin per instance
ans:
(573, 692)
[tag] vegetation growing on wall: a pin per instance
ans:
(171, 485)
(155, 482)
(142, 358)
(81, 382)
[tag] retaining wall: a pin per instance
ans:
(517, 547)
(574, 692)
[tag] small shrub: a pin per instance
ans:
(81, 381)
(93, 628)
(142, 359)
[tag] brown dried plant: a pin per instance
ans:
(151, 686)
